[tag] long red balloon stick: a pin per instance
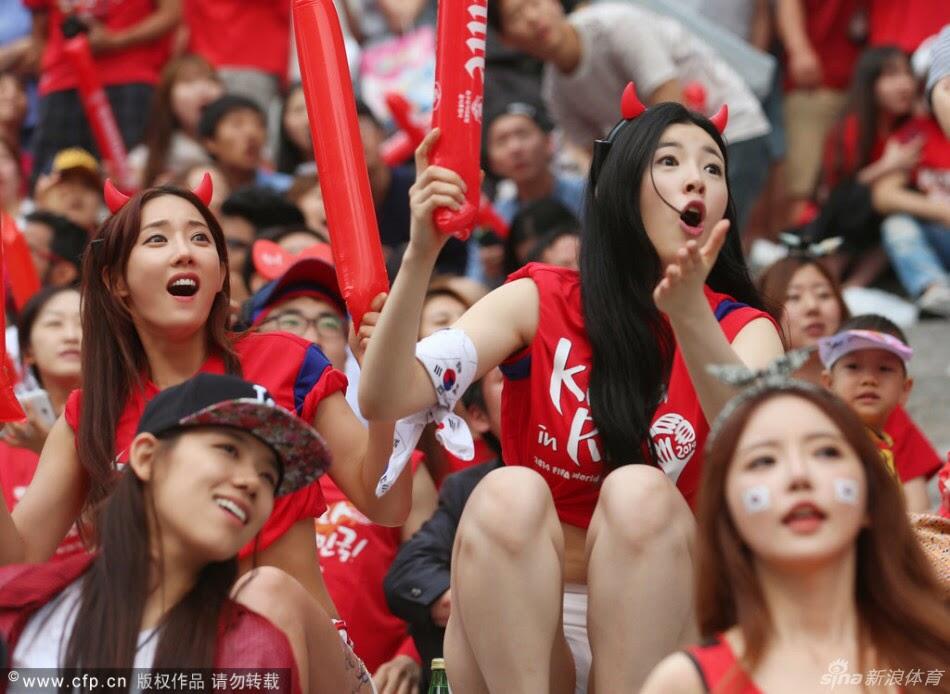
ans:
(19, 269)
(401, 111)
(10, 410)
(399, 147)
(99, 114)
(338, 150)
(489, 218)
(457, 112)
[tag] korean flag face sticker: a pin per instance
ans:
(846, 491)
(756, 499)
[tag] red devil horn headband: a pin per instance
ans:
(630, 104)
(720, 119)
(631, 107)
(115, 199)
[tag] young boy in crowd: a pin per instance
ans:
(233, 130)
(72, 188)
(866, 366)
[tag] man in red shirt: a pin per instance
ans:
(129, 41)
(222, 31)
(822, 40)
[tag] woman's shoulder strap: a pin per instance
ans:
(712, 658)
(547, 277)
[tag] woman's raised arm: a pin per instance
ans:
(51, 504)
(392, 383)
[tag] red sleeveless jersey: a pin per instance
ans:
(298, 376)
(546, 410)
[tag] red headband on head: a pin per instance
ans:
(116, 199)
(631, 107)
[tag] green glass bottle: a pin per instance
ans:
(439, 683)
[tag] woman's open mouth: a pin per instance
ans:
(804, 519)
(183, 286)
(691, 218)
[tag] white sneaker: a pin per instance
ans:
(936, 299)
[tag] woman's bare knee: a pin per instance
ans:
(641, 506)
(509, 509)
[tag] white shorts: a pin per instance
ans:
(575, 632)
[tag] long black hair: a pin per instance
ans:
(632, 343)
(117, 584)
(862, 104)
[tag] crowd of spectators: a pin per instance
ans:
(839, 129)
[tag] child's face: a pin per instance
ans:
(872, 382)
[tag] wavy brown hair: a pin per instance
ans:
(773, 284)
(113, 359)
(162, 123)
(902, 618)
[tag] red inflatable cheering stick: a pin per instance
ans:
(10, 410)
(331, 107)
(19, 271)
(95, 104)
(399, 147)
(457, 112)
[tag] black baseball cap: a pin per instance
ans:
(534, 112)
(217, 400)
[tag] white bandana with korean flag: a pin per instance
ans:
(451, 361)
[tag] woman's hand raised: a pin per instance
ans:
(682, 282)
(435, 187)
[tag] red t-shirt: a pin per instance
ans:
(932, 175)
(298, 377)
(483, 454)
(906, 23)
(914, 456)
(841, 151)
(828, 24)
(17, 467)
(140, 63)
(548, 425)
(355, 555)
(223, 30)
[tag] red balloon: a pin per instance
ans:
(488, 217)
(457, 112)
(98, 111)
(19, 272)
(397, 149)
(338, 150)
(402, 114)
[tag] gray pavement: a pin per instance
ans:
(929, 403)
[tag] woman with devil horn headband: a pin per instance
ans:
(606, 404)
(155, 301)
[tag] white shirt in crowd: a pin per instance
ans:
(620, 43)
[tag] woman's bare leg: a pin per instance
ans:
(505, 633)
(640, 577)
